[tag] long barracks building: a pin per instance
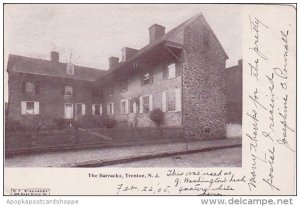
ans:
(181, 72)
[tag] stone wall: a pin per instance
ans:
(203, 84)
(135, 89)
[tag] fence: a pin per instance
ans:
(22, 139)
(71, 137)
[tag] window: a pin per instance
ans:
(29, 87)
(97, 109)
(70, 68)
(68, 91)
(110, 91)
(80, 109)
(171, 71)
(29, 107)
(146, 105)
(110, 108)
(147, 78)
(132, 106)
(171, 101)
(124, 107)
(123, 86)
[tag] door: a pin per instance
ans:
(69, 111)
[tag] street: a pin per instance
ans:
(231, 157)
(91, 157)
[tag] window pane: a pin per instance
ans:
(146, 104)
(110, 108)
(30, 107)
(131, 105)
(172, 71)
(97, 109)
(110, 91)
(146, 100)
(171, 99)
(68, 90)
(123, 107)
(146, 78)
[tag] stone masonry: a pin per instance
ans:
(203, 84)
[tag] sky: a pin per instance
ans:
(90, 34)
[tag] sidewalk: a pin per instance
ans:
(116, 155)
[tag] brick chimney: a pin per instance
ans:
(113, 62)
(240, 62)
(127, 53)
(156, 31)
(54, 56)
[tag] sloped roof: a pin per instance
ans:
(174, 36)
(43, 67)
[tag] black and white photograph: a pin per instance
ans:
(149, 99)
(136, 91)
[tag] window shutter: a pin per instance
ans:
(93, 109)
(150, 102)
(100, 108)
(178, 69)
(83, 109)
(127, 106)
(23, 107)
(164, 101)
(178, 99)
(141, 104)
(150, 77)
(112, 108)
(36, 108)
(134, 107)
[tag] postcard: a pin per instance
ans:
(150, 99)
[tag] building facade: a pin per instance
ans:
(234, 93)
(42, 91)
(181, 72)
